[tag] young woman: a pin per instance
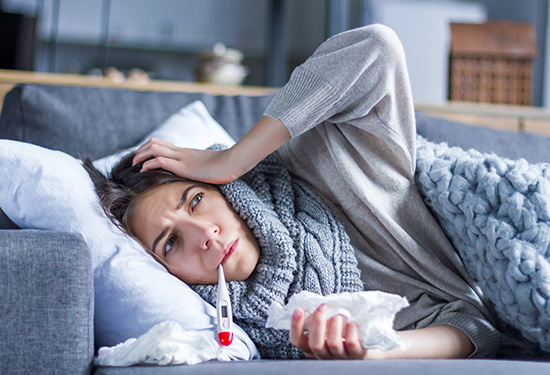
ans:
(344, 124)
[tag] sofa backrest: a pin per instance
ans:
(94, 122)
(509, 144)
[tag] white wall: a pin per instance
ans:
(423, 27)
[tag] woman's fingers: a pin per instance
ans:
(354, 349)
(154, 148)
(154, 141)
(335, 336)
(298, 336)
(166, 163)
(201, 165)
(318, 334)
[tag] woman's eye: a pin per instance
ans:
(168, 246)
(196, 199)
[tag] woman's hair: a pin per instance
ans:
(121, 191)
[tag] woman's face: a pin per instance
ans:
(193, 229)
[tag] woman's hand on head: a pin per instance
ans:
(199, 165)
(333, 338)
(216, 167)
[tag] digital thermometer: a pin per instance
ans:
(223, 307)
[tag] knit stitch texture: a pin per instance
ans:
(302, 247)
(496, 212)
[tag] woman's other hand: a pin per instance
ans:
(333, 338)
(217, 167)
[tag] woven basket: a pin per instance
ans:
(492, 62)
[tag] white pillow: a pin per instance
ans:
(46, 189)
(192, 127)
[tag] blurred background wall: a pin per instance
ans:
(164, 37)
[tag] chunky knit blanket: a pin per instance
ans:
(302, 247)
(496, 212)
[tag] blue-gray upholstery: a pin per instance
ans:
(46, 303)
(93, 122)
(312, 367)
(513, 145)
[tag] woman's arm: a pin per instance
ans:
(439, 342)
(337, 339)
(367, 60)
(217, 167)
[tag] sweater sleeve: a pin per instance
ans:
(354, 72)
(462, 315)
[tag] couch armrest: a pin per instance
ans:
(46, 303)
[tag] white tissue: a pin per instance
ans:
(373, 311)
(167, 343)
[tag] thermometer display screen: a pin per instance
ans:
(224, 311)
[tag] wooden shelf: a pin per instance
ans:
(9, 78)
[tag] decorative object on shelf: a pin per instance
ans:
(222, 66)
(114, 74)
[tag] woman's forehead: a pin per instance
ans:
(165, 197)
(156, 201)
(165, 189)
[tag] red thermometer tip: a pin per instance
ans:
(225, 338)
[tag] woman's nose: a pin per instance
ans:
(206, 234)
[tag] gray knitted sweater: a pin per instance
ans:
(303, 247)
(350, 112)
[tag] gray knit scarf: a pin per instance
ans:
(303, 247)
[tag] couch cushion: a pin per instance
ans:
(46, 303)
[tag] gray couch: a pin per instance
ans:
(46, 283)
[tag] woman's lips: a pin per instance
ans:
(228, 250)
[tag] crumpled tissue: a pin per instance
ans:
(167, 343)
(373, 311)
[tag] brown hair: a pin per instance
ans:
(121, 191)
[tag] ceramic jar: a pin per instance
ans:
(221, 66)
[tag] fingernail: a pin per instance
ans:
(297, 313)
(323, 307)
